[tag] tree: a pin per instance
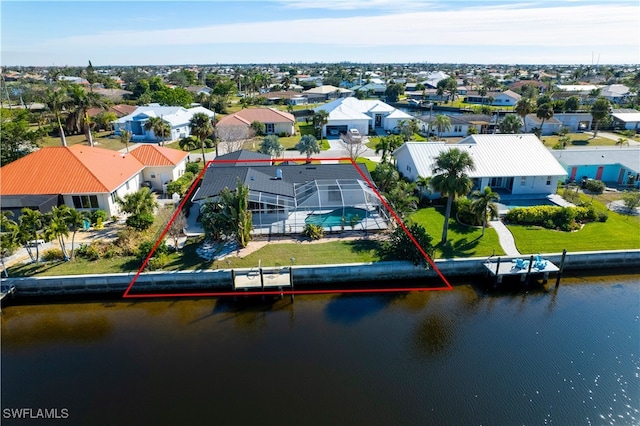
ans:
(451, 179)
(176, 230)
(423, 183)
(159, 127)
(523, 108)
(271, 145)
(631, 200)
(125, 137)
(308, 145)
(8, 237)
(320, 119)
(354, 149)
(57, 228)
(16, 137)
(81, 101)
(510, 124)
(483, 205)
(393, 92)
(572, 103)
(387, 145)
(258, 127)
(622, 141)
(449, 86)
(29, 232)
(403, 247)
(56, 100)
(544, 112)
(229, 216)
(75, 221)
(385, 176)
(140, 206)
(202, 127)
(599, 111)
(443, 124)
(401, 198)
(104, 119)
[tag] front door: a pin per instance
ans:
(574, 170)
(378, 120)
(599, 173)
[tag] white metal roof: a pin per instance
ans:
(355, 109)
(493, 156)
(174, 115)
(628, 116)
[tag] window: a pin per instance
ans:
(523, 181)
(408, 168)
(153, 175)
(457, 128)
(85, 201)
(496, 182)
(548, 180)
(270, 128)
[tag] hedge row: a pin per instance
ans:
(555, 217)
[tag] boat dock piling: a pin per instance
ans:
(525, 269)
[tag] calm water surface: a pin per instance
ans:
(462, 357)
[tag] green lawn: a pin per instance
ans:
(463, 241)
(578, 140)
(100, 139)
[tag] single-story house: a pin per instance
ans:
(285, 197)
(352, 113)
(374, 89)
(114, 95)
(550, 126)
(615, 93)
(120, 110)
(326, 92)
(162, 165)
(460, 124)
(626, 118)
(514, 164)
(614, 166)
(574, 121)
(289, 96)
(198, 90)
(276, 122)
(177, 117)
(577, 89)
(508, 98)
(83, 177)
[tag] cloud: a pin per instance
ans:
(387, 5)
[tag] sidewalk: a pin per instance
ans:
(505, 237)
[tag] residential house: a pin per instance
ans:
(614, 166)
(177, 117)
(615, 93)
(371, 89)
(114, 95)
(574, 121)
(352, 113)
(549, 127)
(626, 118)
(460, 124)
(289, 97)
(162, 165)
(508, 98)
(120, 110)
(284, 198)
(510, 164)
(276, 122)
(327, 92)
(198, 90)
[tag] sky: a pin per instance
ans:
(54, 33)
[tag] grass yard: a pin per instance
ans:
(578, 140)
(100, 139)
(463, 241)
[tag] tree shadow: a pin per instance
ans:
(32, 268)
(459, 248)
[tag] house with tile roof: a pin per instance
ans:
(276, 122)
(512, 165)
(177, 117)
(83, 177)
(352, 113)
(162, 165)
(284, 198)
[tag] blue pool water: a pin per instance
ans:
(334, 218)
(526, 203)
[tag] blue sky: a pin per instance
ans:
(288, 31)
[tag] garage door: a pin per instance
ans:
(334, 131)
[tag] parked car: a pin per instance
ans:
(354, 135)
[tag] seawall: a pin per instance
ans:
(304, 275)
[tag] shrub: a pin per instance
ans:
(314, 232)
(552, 217)
(595, 186)
(89, 252)
(193, 168)
(463, 211)
(145, 248)
(140, 222)
(602, 216)
(98, 214)
(402, 247)
(158, 261)
(53, 255)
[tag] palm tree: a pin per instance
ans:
(140, 205)
(77, 121)
(387, 145)
(523, 108)
(308, 145)
(75, 221)
(320, 119)
(483, 205)
(443, 124)
(159, 127)
(510, 124)
(56, 100)
(544, 112)
(125, 137)
(57, 228)
(599, 111)
(622, 141)
(29, 230)
(202, 127)
(271, 145)
(8, 237)
(451, 179)
(423, 183)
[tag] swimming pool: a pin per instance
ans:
(512, 204)
(334, 218)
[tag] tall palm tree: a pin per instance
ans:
(387, 145)
(202, 127)
(159, 127)
(29, 231)
(75, 221)
(523, 108)
(82, 101)
(57, 227)
(451, 179)
(599, 111)
(320, 119)
(143, 201)
(443, 124)
(271, 145)
(56, 100)
(125, 138)
(308, 145)
(423, 183)
(544, 112)
(483, 204)
(8, 237)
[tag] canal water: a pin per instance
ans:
(461, 357)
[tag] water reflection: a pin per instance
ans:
(434, 335)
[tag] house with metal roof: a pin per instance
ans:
(284, 198)
(177, 117)
(626, 118)
(85, 178)
(510, 164)
(614, 166)
(460, 124)
(352, 113)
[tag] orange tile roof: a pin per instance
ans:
(154, 155)
(263, 115)
(78, 169)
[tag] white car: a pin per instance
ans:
(354, 135)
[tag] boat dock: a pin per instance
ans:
(524, 268)
(263, 279)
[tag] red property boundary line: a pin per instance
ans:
(187, 196)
